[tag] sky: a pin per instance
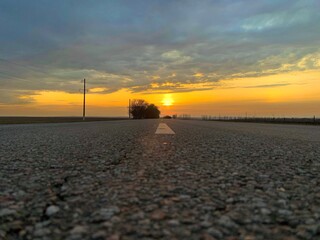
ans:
(206, 57)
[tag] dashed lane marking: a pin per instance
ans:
(164, 129)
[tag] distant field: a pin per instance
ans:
(312, 121)
(26, 120)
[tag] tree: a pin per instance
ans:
(152, 111)
(139, 109)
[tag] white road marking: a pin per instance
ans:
(164, 129)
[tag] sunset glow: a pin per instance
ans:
(167, 100)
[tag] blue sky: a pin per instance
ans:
(51, 45)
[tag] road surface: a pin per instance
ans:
(120, 180)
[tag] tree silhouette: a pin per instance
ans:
(152, 111)
(139, 109)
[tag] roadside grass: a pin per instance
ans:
(28, 120)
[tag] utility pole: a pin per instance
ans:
(84, 100)
(129, 108)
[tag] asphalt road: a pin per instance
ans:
(120, 180)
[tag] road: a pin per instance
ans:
(120, 180)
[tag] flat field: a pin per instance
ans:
(27, 120)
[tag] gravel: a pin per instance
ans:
(118, 180)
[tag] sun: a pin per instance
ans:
(167, 100)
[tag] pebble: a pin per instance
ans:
(80, 229)
(52, 210)
(42, 232)
(105, 214)
(206, 224)
(99, 235)
(173, 222)
(206, 236)
(225, 221)
(284, 212)
(114, 237)
(158, 215)
(6, 211)
(42, 224)
(265, 211)
(215, 232)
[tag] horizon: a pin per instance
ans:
(199, 58)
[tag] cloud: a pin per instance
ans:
(130, 45)
(276, 20)
(176, 57)
(15, 97)
(171, 88)
(269, 85)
